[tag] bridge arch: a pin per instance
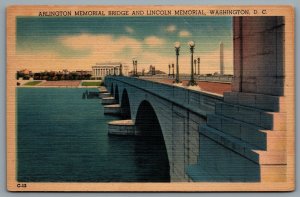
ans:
(125, 105)
(116, 93)
(150, 131)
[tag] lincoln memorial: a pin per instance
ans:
(101, 70)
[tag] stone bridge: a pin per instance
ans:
(236, 137)
(179, 113)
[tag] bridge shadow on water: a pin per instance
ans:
(147, 156)
(136, 159)
(150, 145)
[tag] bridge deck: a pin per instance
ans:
(214, 87)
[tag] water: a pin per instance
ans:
(62, 137)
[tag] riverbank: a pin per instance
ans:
(90, 87)
(62, 84)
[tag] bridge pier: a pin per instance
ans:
(102, 89)
(104, 95)
(185, 140)
(114, 109)
(109, 100)
(121, 127)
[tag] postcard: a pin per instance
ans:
(150, 98)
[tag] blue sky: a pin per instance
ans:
(79, 42)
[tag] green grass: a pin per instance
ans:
(32, 83)
(92, 83)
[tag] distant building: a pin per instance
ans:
(153, 71)
(83, 72)
(100, 70)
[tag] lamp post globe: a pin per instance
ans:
(191, 44)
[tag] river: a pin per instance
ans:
(62, 137)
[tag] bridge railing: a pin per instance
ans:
(200, 102)
(213, 78)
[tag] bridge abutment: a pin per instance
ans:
(245, 139)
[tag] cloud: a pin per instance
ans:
(171, 28)
(129, 29)
(51, 61)
(102, 48)
(154, 41)
(106, 48)
(103, 43)
(85, 41)
(184, 33)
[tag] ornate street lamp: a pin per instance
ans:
(136, 73)
(192, 82)
(177, 48)
(195, 65)
(198, 65)
(173, 71)
(133, 64)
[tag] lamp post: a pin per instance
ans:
(177, 48)
(169, 69)
(173, 71)
(136, 72)
(192, 81)
(198, 65)
(195, 65)
(134, 63)
(121, 72)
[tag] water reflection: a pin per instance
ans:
(152, 158)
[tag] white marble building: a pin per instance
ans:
(100, 70)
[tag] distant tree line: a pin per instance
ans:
(55, 76)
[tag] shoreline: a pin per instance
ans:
(58, 86)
